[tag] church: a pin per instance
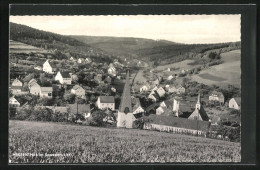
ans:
(126, 117)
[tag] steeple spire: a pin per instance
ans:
(126, 104)
(199, 99)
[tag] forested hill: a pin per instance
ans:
(52, 41)
(160, 51)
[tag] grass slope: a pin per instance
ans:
(84, 144)
(223, 74)
(18, 47)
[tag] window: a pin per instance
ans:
(126, 110)
(49, 94)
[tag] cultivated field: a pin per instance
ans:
(223, 74)
(18, 47)
(85, 144)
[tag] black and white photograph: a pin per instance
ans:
(124, 89)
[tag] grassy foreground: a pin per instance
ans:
(44, 142)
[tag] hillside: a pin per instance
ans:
(81, 144)
(161, 52)
(229, 72)
(18, 47)
(51, 41)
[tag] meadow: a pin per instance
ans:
(45, 142)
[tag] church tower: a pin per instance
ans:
(198, 102)
(125, 113)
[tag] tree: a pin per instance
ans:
(98, 117)
(45, 101)
(70, 98)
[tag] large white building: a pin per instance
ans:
(49, 67)
(104, 102)
(63, 77)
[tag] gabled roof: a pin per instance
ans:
(179, 122)
(238, 100)
(65, 74)
(107, 99)
(46, 89)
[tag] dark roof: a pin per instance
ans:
(56, 87)
(52, 65)
(107, 99)
(153, 106)
(65, 74)
(238, 100)
(82, 108)
(179, 122)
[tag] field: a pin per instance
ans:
(18, 47)
(85, 144)
(223, 74)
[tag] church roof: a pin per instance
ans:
(126, 96)
(179, 122)
(107, 99)
(202, 113)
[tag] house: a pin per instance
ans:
(16, 86)
(63, 77)
(160, 91)
(152, 108)
(78, 91)
(108, 80)
(180, 90)
(38, 68)
(31, 83)
(17, 82)
(104, 102)
(13, 103)
(88, 60)
(113, 89)
(46, 92)
(80, 60)
(111, 70)
(137, 108)
(98, 77)
(172, 89)
(71, 58)
(49, 67)
(173, 124)
(125, 116)
(35, 88)
(144, 88)
(154, 96)
(217, 96)
(170, 77)
(235, 103)
(199, 112)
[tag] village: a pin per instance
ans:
(78, 88)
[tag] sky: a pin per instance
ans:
(178, 28)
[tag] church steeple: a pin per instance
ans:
(126, 104)
(198, 102)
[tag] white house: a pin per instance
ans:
(63, 77)
(49, 67)
(170, 77)
(111, 70)
(80, 60)
(161, 91)
(235, 103)
(17, 82)
(217, 96)
(137, 109)
(172, 89)
(144, 88)
(35, 88)
(78, 91)
(104, 102)
(13, 103)
(46, 92)
(16, 86)
(88, 60)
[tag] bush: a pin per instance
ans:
(98, 117)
